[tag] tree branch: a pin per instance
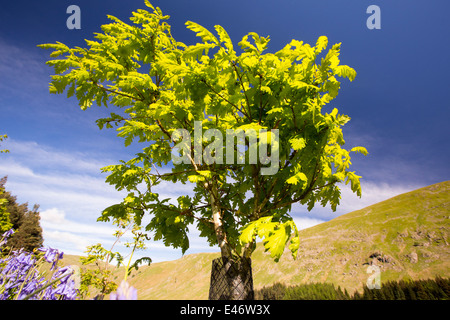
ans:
(243, 89)
(116, 92)
(225, 99)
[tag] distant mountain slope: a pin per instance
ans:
(407, 236)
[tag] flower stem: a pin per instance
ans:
(131, 256)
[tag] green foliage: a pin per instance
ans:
(276, 235)
(311, 291)
(274, 292)
(315, 291)
(160, 85)
(5, 222)
(2, 138)
(100, 278)
(25, 222)
(430, 289)
(96, 279)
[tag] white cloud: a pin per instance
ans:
(73, 237)
(71, 193)
(70, 242)
(54, 219)
(70, 182)
(69, 188)
(52, 215)
(46, 158)
(372, 192)
(305, 223)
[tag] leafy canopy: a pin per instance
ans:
(160, 85)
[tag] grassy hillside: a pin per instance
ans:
(406, 236)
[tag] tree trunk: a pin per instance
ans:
(231, 276)
(218, 226)
(231, 279)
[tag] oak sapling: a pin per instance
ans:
(160, 85)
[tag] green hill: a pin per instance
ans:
(406, 236)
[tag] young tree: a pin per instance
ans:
(166, 92)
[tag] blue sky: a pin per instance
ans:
(398, 102)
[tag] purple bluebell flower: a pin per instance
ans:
(20, 279)
(63, 273)
(5, 236)
(52, 256)
(25, 259)
(124, 292)
(66, 290)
